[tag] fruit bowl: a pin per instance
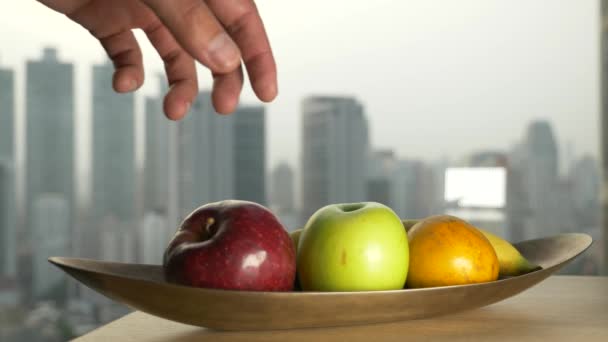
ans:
(142, 287)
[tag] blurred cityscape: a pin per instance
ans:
(522, 193)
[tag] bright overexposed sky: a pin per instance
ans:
(437, 78)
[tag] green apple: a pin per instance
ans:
(353, 247)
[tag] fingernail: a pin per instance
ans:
(187, 107)
(132, 85)
(222, 51)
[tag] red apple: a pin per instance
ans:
(235, 245)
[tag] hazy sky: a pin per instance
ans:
(436, 77)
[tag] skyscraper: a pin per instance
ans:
(156, 162)
(541, 179)
(585, 180)
(334, 154)
(7, 114)
(203, 158)
(405, 188)
(250, 154)
(50, 132)
(380, 178)
(113, 159)
(8, 228)
(50, 229)
(154, 235)
(8, 237)
(518, 213)
(282, 197)
(282, 188)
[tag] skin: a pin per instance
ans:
(353, 247)
(445, 250)
(220, 34)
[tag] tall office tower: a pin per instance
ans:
(405, 188)
(7, 114)
(203, 159)
(335, 147)
(250, 154)
(282, 188)
(541, 179)
(8, 223)
(113, 159)
(156, 162)
(585, 180)
(8, 227)
(282, 196)
(50, 135)
(50, 229)
(381, 175)
(518, 216)
(604, 124)
(154, 235)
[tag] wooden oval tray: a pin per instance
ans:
(142, 287)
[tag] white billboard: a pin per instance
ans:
(476, 187)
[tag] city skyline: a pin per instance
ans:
(496, 71)
(152, 123)
(208, 157)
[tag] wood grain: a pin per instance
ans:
(562, 308)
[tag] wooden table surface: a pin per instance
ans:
(562, 308)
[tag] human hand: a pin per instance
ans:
(217, 33)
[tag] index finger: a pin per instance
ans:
(242, 21)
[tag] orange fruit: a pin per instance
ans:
(445, 250)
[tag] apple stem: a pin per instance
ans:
(207, 227)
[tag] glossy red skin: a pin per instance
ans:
(246, 248)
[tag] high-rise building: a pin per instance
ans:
(282, 197)
(154, 235)
(585, 180)
(113, 159)
(250, 154)
(49, 164)
(50, 132)
(7, 114)
(50, 230)
(117, 240)
(380, 178)
(518, 213)
(405, 189)
(282, 188)
(156, 162)
(203, 159)
(335, 147)
(8, 227)
(541, 179)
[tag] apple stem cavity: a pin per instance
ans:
(347, 208)
(209, 227)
